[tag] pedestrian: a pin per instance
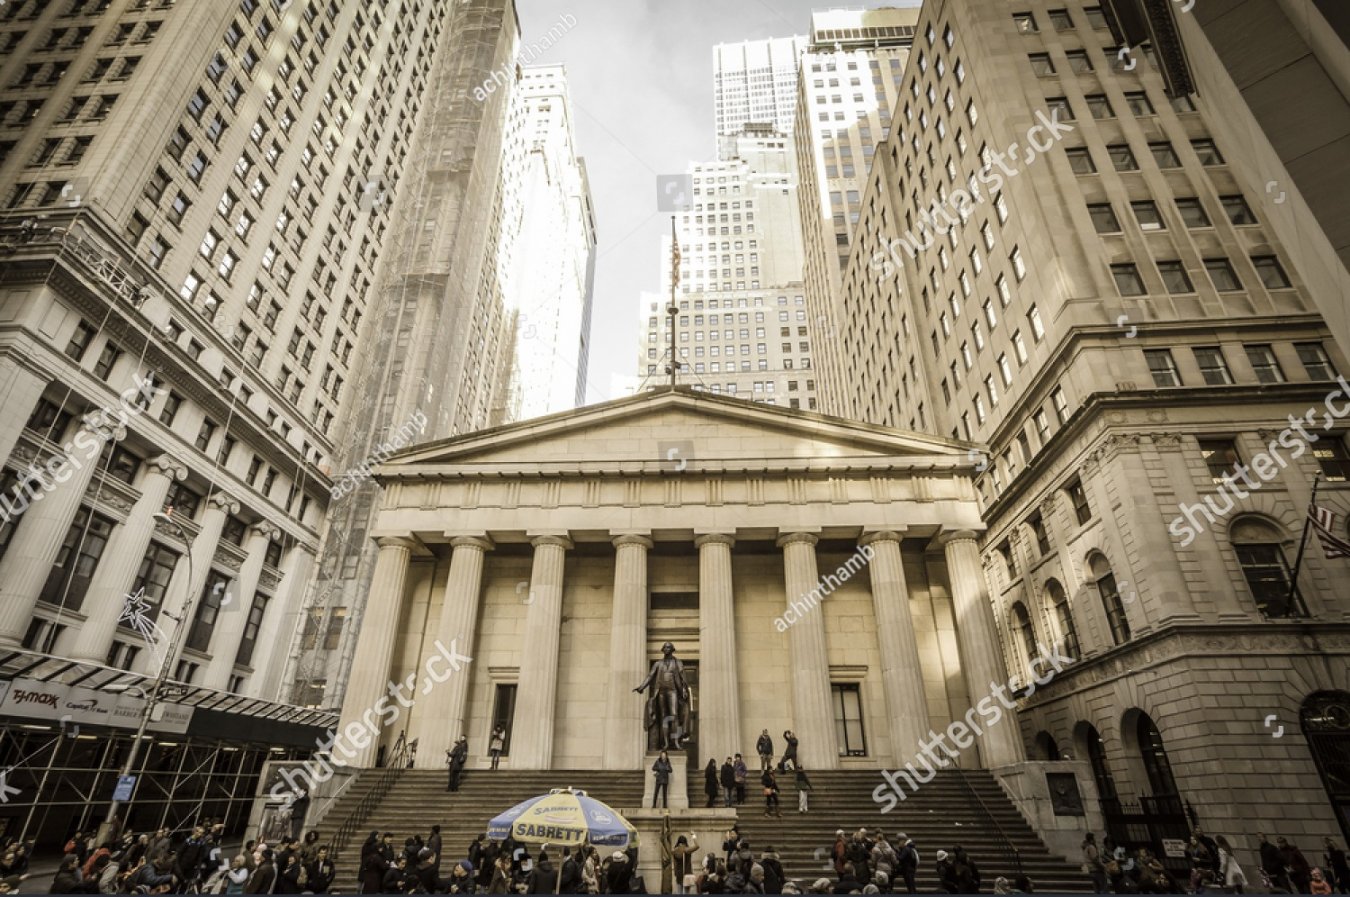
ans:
(434, 844)
(1230, 873)
(848, 881)
(661, 791)
(839, 852)
(264, 877)
(497, 743)
(1092, 863)
(803, 788)
(1318, 884)
(1335, 862)
(710, 781)
(1272, 864)
(457, 756)
(682, 862)
(908, 862)
(770, 782)
(321, 872)
(728, 780)
(237, 877)
(765, 748)
(790, 752)
(967, 873)
(742, 773)
(1300, 870)
(774, 876)
(67, 879)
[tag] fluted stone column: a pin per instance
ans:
(369, 680)
(981, 654)
(229, 631)
(283, 621)
(719, 708)
(440, 717)
(180, 600)
(41, 530)
(901, 671)
(23, 388)
(812, 709)
(116, 572)
(536, 696)
(625, 742)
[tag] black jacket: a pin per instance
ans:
(261, 881)
(288, 880)
(764, 745)
(543, 878)
(320, 876)
(847, 885)
(728, 776)
(710, 779)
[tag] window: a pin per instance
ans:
(1061, 403)
(1059, 108)
(1163, 367)
(1223, 276)
(1207, 151)
(1103, 218)
(1122, 157)
(1235, 207)
(1146, 213)
(182, 500)
(1059, 600)
(170, 410)
(1220, 456)
(1192, 212)
(1105, 581)
(1079, 62)
(1213, 367)
(73, 571)
(848, 719)
(1164, 155)
(1270, 272)
(1138, 103)
(1315, 361)
(107, 359)
(1264, 363)
(1009, 559)
(1060, 20)
(1026, 633)
(1128, 281)
(504, 711)
(1174, 277)
(1036, 523)
(1018, 266)
(1080, 160)
(208, 611)
(1082, 511)
(1025, 23)
(79, 342)
(251, 628)
(1041, 66)
(1333, 458)
(1099, 106)
(1037, 328)
(1260, 552)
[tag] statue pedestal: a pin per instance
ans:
(709, 827)
(679, 780)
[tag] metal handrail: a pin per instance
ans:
(1002, 835)
(396, 764)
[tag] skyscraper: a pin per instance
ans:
(848, 89)
(1060, 258)
(755, 82)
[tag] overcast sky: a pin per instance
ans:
(640, 74)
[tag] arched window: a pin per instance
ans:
(1325, 719)
(1156, 765)
(1046, 746)
(1026, 633)
(1110, 593)
(1059, 601)
(1260, 552)
(1096, 751)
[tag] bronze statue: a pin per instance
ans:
(668, 704)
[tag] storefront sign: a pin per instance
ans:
(31, 699)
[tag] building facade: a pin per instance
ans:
(1107, 307)
(559, 554)
(755, 82)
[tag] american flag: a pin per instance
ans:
(1324, 521)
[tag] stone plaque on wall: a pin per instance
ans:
(1065, 798)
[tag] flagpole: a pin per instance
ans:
(672, 310)
(1303, 542)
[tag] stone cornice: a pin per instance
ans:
(925, 465)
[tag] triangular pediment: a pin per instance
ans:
(671, 424)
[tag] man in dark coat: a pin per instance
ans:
(320, 873)
(264, 877)
(728, 780)
(571, 874)
(848, 881)
(434, 845)
(1273, 863)
(1300, 870)
(764, 747)
(459, 755)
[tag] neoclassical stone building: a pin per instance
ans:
(559, 554)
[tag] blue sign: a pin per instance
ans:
(125, 785)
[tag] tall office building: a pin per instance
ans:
(741, 328)
(553, 249)
(850, 81)
(198, 195)
(1107, 307)
(755, 82)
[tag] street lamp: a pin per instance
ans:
(157, 690)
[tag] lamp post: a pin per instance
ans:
(157, 690)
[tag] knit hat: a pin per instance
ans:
(941, 855)
(618, 856)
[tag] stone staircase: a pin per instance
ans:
(418, 800)
(939, 816)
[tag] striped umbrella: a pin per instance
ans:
(564, 816)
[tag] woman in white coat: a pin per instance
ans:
(1229, 870)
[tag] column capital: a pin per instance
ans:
(795, 538)
(892, 534)
(482, 543)
(266, 530)
(948, 536)
(715, 539)
(403, 542)
(633, 539)
(169, 466)
(224, 502)
(552, 539)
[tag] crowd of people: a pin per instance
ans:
(727, 783)
(1213, 867)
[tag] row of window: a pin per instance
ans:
(1214, 367)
